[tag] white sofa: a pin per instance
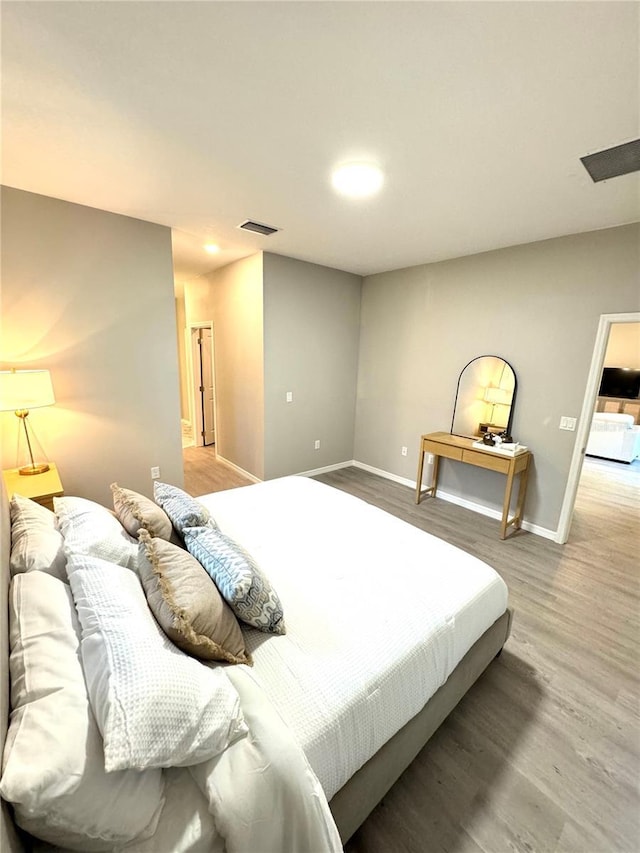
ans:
(614, 437)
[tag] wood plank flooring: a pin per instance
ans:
(205, 473)
(543, 753)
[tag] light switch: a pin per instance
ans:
(289, 396)
(568, 423)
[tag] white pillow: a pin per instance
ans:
(89, 528)
(36, 542)
(155, 706)
(53, 758)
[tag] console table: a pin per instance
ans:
(461, 449)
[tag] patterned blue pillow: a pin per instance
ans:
(182, 509)
(240, 580)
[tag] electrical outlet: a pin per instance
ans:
(404, 451)
(316, 445)
(155, 472)
(289, 396)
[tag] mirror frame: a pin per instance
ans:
(513, 398)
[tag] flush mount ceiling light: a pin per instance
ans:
(357, 180)
(211, 248)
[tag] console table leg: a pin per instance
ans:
(507, 503)
(434, 479)
(419, 480)
(522, 491)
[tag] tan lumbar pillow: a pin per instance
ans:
(187, 604)
(135, 511)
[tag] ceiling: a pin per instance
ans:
(199, 115)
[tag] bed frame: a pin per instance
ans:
(359, 796)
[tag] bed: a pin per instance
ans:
(387, 627)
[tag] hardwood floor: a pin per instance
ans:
(543, 753)
(204, 472)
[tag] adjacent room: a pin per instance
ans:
(321, 324)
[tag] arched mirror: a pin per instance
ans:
(485, 397)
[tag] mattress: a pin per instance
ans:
(378, 614)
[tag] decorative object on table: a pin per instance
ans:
(505, 448)
(488, 438)
(20, 391)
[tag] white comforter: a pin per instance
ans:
(378, 614)
(259, 796)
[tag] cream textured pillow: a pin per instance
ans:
(155, 706)
(36, 542)
(187, 606)
(53, 769)
(136, 511)
(91, 529)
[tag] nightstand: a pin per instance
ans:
(41, 488)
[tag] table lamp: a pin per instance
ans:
(21, 390)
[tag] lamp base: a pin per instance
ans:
(37, 468)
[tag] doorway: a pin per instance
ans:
(584, 426)
(203, 384)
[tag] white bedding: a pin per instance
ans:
(260, 794)
(378, 614)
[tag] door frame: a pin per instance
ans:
(584, 424)
(195, 399)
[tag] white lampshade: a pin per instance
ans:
(25, 389)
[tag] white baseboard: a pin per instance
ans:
(386, 474)
(326, 469)
(488, 511)
(237, 468)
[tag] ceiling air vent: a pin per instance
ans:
(257, 227)
(619, 160)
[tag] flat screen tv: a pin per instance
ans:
(620, 382)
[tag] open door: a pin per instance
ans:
(206, 386)
(584, 424)
(203, 385)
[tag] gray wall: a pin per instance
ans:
(89, 295)
(181, 344)
(231, 298)
(311, 330)
(537, 306)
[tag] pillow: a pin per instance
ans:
(135, 511)
(238, 577)
(36, 542)
(187, 606)
(182, 509)
(53, 758)
(155, 706)
(89, 528)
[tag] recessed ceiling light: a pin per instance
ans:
(211, 248)
(357, 180)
